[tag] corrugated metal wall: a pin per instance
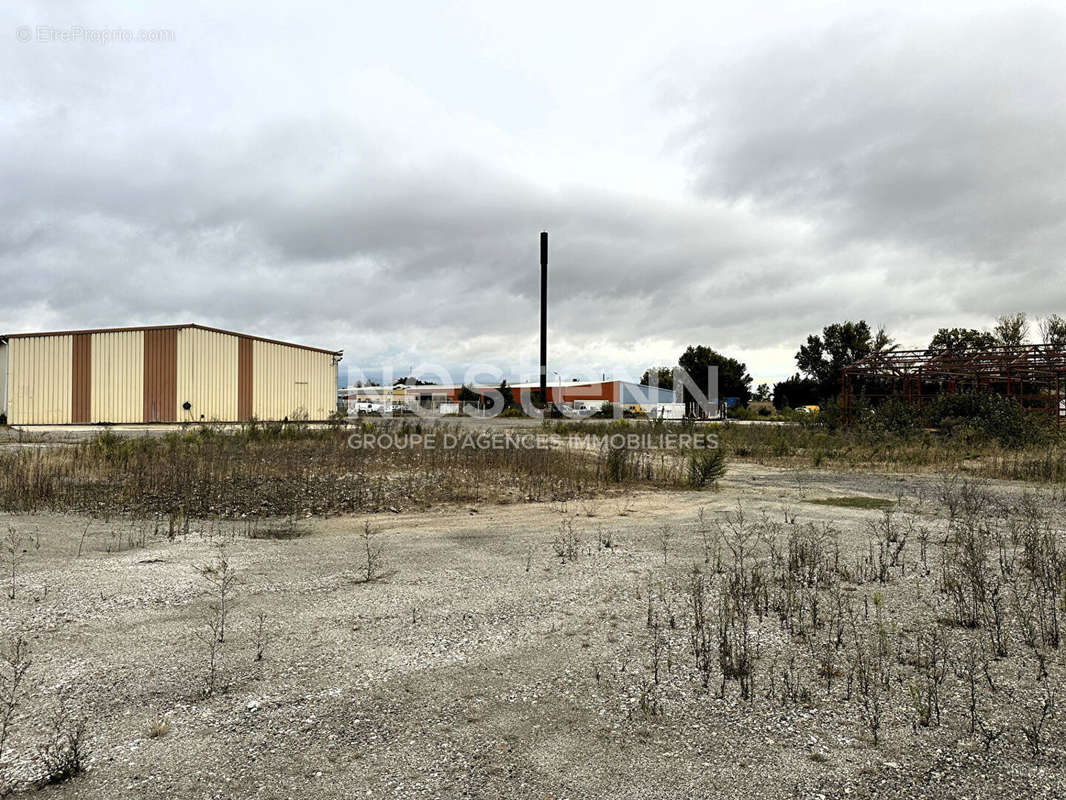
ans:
(160, 401)
(207, 376)
(39, 385)
(117, 376)
(147, 375)
(293, 383)
(3, 378)
(81, 379)
(244, 378)
(639, 394)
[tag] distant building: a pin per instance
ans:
(579, 393)
(171, 373)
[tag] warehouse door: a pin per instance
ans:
(161, 375)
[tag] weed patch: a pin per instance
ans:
(872, 503)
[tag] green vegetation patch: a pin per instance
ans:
(854, 502)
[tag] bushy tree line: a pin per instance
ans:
(968, 416)
(821, 359)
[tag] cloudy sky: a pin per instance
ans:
(373, 177)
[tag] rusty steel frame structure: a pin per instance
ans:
(1035, 375)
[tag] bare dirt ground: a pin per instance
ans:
(485, 664)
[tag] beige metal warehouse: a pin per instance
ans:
(171, 373)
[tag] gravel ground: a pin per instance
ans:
(481, 666)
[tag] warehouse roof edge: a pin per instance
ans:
(29, 334)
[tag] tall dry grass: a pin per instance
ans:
(290, 470)
(818, 447)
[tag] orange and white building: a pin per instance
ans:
(590, 394)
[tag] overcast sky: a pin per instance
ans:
(373, 177)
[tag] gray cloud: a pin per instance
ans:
(947, 136)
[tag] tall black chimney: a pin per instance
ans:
(544, 318)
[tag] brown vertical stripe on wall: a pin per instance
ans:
(161, 375)
(244, 379)
(81, 378)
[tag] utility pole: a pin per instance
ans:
(544, 319)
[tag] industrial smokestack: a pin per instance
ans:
(544, 318)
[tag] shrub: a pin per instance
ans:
(62, 755)
(740, 412)
(897, 416)
(1006, 421)
(831, 414)
(993, 416)
(965, 416)
(705, 466)
(619, 465)
(13, 665)
(111, 447)
(374, 551)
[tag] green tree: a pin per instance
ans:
(1053, 330)
(762, 393)
(468, 395)
(664, 377)
(1011, 330)
(796, 391)
(824, 357)
(733, 377)
(507, 394)
(961, 340)
(882, 340)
